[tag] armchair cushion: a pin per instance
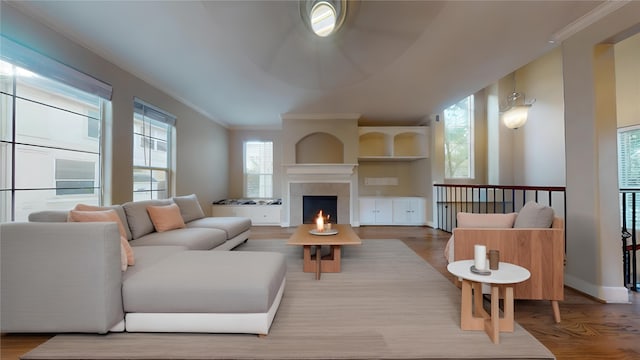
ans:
(470, 220)
(534, 215)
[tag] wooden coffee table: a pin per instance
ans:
(327, 263)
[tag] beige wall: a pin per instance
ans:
(627, 62)
(296, 128)
(201, 143)
(538, 146)
(593, 222)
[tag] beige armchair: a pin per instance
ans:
(540, 250)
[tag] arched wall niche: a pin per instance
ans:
(319, 148)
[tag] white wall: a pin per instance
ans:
(202, 162)
(592, 228)
(538, 146)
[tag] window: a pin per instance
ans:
(152, 132)
(258, 169)
(629, 167)
(458, 139)
(50, 143)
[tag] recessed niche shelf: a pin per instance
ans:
(393, 143)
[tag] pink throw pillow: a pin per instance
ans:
(105, 216)
(166, 217)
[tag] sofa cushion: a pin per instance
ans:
(207, 282)
(190, 208)
(471, 220)
(534, 215)
(165, 217)
(138, 218)
(149, 255)
(106, 216)
(191, 238)
(233, 226)
(118, 209)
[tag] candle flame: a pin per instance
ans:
(320, 222)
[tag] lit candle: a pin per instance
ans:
(320, 222)
(480, 257)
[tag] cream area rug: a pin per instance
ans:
(387, 303)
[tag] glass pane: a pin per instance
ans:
(43, 125)
(5, 205)
(6, 121)
(457, 139)
(160, 187)
(28, 201)
(5, 165)
(38, 167)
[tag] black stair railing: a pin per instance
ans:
(453, 198)
(629, 207)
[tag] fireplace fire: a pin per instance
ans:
(312, 206)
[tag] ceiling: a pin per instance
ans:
(245, 63)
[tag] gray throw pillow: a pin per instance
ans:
(534, 215)
(190, 208)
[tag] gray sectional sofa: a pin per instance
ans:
(59, 276)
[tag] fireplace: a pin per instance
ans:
(339, 181)
(313, 204)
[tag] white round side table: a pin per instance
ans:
(473, 316)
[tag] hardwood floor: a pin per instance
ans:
(589, 329)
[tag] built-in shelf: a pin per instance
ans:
(393, 143)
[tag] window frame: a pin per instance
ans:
(152, 117)
(34, 86)
(246, 174)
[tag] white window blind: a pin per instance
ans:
(29, 59)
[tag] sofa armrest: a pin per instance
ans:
(541, 251)
(60, 277)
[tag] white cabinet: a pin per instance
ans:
(375, 211)
(408, 211)
(392, 211)
(259, 214)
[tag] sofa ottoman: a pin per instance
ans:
(205, 291)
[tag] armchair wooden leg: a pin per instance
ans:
(556, 310)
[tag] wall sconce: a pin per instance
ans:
(515, 115)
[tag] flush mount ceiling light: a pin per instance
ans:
(324, 17)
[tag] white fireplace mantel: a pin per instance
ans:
(320, 169)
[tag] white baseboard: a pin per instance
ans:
(608, 294)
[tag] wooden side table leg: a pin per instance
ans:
(506, 325)
(469, 321)
(492, 325)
